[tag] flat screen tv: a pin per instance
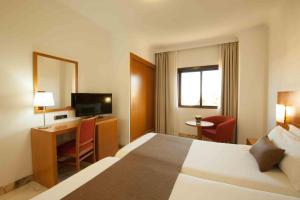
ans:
(91, 104)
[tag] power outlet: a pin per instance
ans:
(58, 117)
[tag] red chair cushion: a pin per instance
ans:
(69, 148)
(210, 131)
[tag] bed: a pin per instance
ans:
(196, 188)
(201, 175)
(227, 163)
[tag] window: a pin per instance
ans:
(199, 87)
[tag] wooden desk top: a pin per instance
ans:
(61, 128)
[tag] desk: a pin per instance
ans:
(44, 147)
(199, 126)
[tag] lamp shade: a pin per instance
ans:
(43, 99)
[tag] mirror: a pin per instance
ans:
(56, 75)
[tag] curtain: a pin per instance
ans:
(229, 66)
(161, 85)
(166, 93)
(172, 91)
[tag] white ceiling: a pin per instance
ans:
(165, 22)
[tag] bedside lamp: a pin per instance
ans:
(43, 99)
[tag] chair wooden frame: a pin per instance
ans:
(79, 156)
(78, 145)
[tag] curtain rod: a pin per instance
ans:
(196, 44)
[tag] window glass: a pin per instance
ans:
(190, 88)
(200, 86)
(211, 88)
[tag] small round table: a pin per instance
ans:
(199, 126)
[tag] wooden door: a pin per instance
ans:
(142, 91)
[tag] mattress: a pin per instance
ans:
(185, 186)
(227, 163)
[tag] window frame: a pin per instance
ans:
(194, 69)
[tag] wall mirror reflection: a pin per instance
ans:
(57, 75)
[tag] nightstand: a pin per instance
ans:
(251, 141)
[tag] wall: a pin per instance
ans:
(52, 28)
(284, 62)
(189, 58)
(253, 63)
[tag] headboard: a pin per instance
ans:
(291, 101)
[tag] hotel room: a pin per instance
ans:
(150, 99)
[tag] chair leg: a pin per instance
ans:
(77, 164)
(94, 156)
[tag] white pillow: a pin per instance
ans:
(276, 134)
(293, 129)
(290, 164)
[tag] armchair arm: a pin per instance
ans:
(225, 130)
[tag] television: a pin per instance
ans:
(91, 104)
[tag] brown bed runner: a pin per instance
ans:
(148, 172)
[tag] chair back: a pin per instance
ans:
(86, 132)
(227, 128)
(224, 127)
(217, 119)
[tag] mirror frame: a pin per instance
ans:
(35, 79)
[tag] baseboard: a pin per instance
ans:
(188, 135)
(12, 186)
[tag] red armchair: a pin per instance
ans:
(223, 129)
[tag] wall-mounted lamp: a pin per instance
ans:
(280, 113)
(283, 113)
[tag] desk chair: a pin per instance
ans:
(84, 144)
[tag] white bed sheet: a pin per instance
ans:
(186, 187)
(228, 163)
(194, 188)
(133, 145)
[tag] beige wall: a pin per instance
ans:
(253, 63)
(50, 27)
(284, 55)
(188, 58)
